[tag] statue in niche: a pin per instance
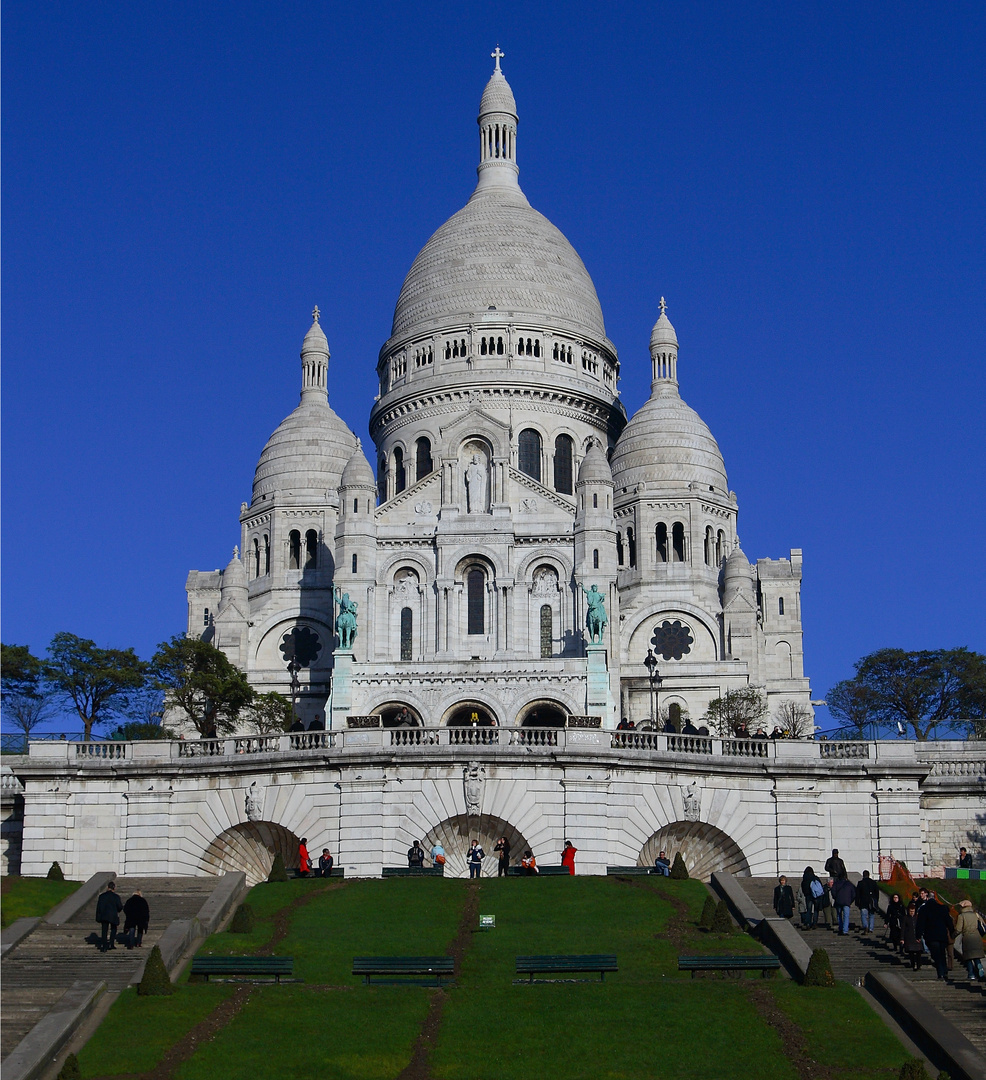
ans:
(254, 802)
(691, 801)
(545, 583)
(405, 587)
(596, 618)
(475, 476)
(473, 779)
(346, 619)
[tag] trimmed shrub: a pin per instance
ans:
(678, 869)
(708, 913)
(913, 1070)
(819, 971)
(55, 874)
(721, 921)
(242, 921)
(277, 870)
(155, 982)
(70, 1070)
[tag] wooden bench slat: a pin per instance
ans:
(435, 966)
(626, 871)
(554, 965)
(413, 871)
(243, 965)
(763, 964)
(543, 871)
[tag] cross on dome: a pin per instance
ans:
(663, 306)
(316, 313)
(497, 56)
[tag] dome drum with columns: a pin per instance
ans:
(504, 483)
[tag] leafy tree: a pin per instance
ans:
(21, 673)
(95, 680)
(795, 719)
(201, 684)
(917, 692)
(269, 713)
(745, 706)
(853, 703)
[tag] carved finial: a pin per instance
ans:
(497, 56)
(663, 305)
(236, 551)
(316, 313)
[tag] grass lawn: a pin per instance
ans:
(648, 1020)
(23, 897)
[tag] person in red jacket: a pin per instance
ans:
(568, 856)
(304, 862)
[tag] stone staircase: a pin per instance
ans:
(39, 970)
(960, 1001)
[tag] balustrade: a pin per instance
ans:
(844, 749)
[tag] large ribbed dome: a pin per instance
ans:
(666, 442)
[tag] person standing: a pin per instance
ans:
(895, 921)
(812, 889)
(843, 894)
(475, 858)
(568, 856)
(868, 902)
(502, 849)
(967, 927)
(835, 867)
(826, 905)
(136, 916)
(108, 908)
(325, 862)
(934, 924)
(965, 859)
(438, 856)
(783, 899)
(304, 861)
(415, 855)
(912, 942)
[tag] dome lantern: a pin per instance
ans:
(497, 132)
(664, 349)
(315, 362)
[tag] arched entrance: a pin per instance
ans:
(470, 714)
(399, 714)
(543, 714)
(455, 835)
(704, 848)
(250, 847)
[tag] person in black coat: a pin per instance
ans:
(811, 900)
(935, 925)
(835, 867)
(895, 921)
(108, 908)
(136, 916)
(783, 899)
(868, 902)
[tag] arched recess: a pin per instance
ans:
(461, 715)
(390, 714)
(545, 713)
(250, 847)
(455, 835)
(704, 848)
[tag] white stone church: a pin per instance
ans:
(508, 484)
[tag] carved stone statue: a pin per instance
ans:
(596, 618)
(254, 802)
(346, 620)
(545, 583)
(475, 477)
(691, 799)
(473, 780)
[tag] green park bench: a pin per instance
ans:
(628, 871)
(275, 966)
(337, 872)
(435, 969)
(543, 871)
(414, 871)
(764, 964)
(566, 965)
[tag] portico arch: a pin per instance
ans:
(704, 848)
(456, 833)
(250, 847)
(470, 714)
(546, 713)
(391, 716)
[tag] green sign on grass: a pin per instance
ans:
(487, 922)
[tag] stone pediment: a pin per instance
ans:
(540, 494)
(423, 498)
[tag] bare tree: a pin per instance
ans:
(736, 711)
(795, 720)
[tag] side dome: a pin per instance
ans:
(595, 468)
(357, 473)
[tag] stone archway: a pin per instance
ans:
(704, 848)
(250, 847)
(455, 834)
(470, 714)
(390, 715)
(545, 713)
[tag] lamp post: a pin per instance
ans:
(294, 666)
(650, 662)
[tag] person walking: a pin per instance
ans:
(438, 856)
(868, 902)
(475, 858)
(834, 866)
(967, 928)
(136, 916)
(783, 899)
(415, 855)
(843, 894)
(304, 861)
(813, 891)
(934, 924)
(895, 920)
(912, 942)
(108, 908)
(826, 905)
(502, 850)
(568, 856)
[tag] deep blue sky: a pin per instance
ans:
(804, 182)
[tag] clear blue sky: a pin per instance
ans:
(804, 182)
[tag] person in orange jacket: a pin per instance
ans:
(304, 862)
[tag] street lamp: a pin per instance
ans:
(650, 662)
(294, 666)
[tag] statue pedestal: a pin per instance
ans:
(597, 695)
(342, 688)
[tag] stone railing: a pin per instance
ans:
(843, 750)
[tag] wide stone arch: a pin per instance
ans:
(543, 712)
(250, 847)
(636, 635)
(704, 848)
(456, 833)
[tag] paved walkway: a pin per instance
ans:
(39, 970)
(962, 1002)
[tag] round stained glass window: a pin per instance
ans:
(672, 640)
(301, 644)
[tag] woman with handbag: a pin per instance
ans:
(967, 931)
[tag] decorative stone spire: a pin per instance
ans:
(315, 362)
(497, 132)
(664, 350)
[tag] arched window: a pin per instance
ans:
(294, 550)
(529, 456)
(400, 473)
(564, 450)
(382, 479)
(476, 601)
(422, 458)
(545, 631)
(678, 541)
(662, 542)
(710, 545)
(780, 605)
(355, 563)
(619, 549)
(311, 549)
(595, 500)
(266, 554)
(674, 715)
(595, 558)
(256, 557)
(407, 633)
(499, 346)
(720, 547)
(632, 548)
